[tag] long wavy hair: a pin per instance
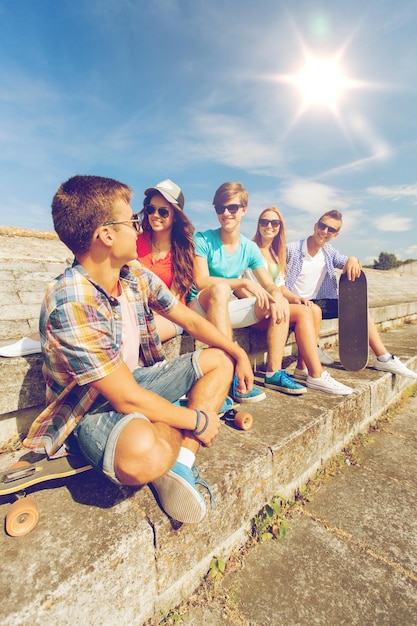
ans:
(278, 242)
(182, 246)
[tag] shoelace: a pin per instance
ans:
(201, 481)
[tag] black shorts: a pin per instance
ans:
(329, 308)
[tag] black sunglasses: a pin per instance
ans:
(135, 221)
(232, 208)
(265, 223)
(323, 226)
(162, 212)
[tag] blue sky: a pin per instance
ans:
(204, 92)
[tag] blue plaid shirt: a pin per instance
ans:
(81, 335)
(334, 259)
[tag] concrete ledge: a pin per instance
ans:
(23, 388)
(96, 540)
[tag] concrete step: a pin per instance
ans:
(23, 388)
(103, 554)
(29, 259)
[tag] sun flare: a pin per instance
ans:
(321, 82)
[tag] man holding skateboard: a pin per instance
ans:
(311, 265)
(109, 388)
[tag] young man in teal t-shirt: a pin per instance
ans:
(229, 301)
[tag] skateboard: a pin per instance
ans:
(23, 515)
(353, 322)
(240, 420)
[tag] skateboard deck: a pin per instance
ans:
(31, 470)
(353, 322)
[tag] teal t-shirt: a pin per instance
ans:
(221, 264)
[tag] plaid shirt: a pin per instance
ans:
(334, 259)
(81, 334)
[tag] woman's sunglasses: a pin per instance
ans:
(162, 212)
(274, 223)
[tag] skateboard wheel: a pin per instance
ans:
(19, 465)
(22, 517)
(243, 420)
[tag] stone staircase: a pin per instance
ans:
(102, 553)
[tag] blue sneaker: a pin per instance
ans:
(178, 495)
(226, 406)
(281, 381)
(253, 396)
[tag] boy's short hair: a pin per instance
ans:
(81, 205)
(334, 214)
(226, 191)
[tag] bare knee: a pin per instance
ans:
(219, 293)
(145, 451)
(215, 360)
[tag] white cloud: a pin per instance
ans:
(395, 192)
(312, 197)
(392, 223)
(229, 140)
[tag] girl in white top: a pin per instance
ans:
(305, 316)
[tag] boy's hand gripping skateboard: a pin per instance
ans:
(23, 514)
(353, 322)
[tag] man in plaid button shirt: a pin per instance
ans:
(109, 388)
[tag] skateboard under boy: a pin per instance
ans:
(23, 514)
(353, 322)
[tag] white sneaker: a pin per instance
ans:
(300, 375)
(328, 384)
(324, 358)
(21, 348)
(394, 366)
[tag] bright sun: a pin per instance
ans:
(321, 83)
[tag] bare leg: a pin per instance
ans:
(215, 301)
(276, 338)
(305, 334)
(145, 451)
(374, 339)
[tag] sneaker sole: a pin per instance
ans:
(258, 398)
(334, 392)
(179, 499)
(21, 353)
(290, 392)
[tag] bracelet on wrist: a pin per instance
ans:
(200, 432)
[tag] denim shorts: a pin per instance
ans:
(241, 311)
(98, 431)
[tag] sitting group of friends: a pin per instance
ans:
(139, 280)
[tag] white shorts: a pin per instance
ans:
(241, 311)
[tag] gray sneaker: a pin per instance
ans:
(394, 366)
(324, 358)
